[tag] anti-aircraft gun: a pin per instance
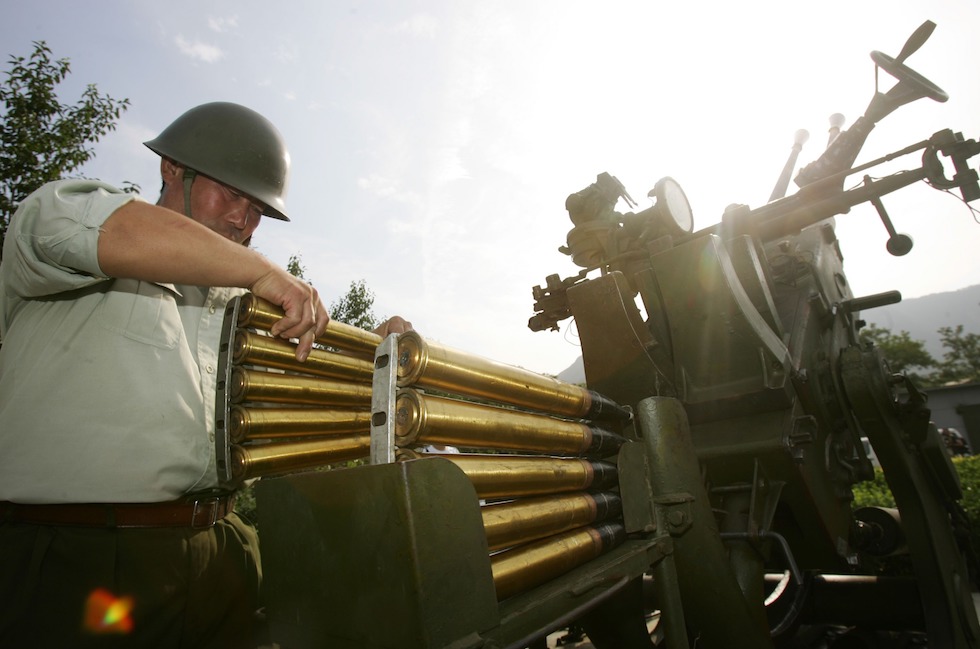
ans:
(698, 491)
(749, 349)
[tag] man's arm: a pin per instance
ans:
(151, 243)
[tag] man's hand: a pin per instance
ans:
(305, 316)
(395, 325)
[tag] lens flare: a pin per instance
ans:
(106, 613)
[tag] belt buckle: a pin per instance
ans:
(207, 507)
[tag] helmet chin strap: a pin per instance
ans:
(189, 176)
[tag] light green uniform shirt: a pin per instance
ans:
(107, 386)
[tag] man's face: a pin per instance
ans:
(225, 210)
(221, 208)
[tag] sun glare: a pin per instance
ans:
(107, 614)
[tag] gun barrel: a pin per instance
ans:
(807, 207)
(782, 183)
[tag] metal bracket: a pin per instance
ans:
(222, 405)
(383, 388)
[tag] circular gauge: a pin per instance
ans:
(675, 210)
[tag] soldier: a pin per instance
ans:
(111, 520)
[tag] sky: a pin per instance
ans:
(433, 143)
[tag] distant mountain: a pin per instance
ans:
(574, 373)
(921, 317)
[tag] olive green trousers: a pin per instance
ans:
(101, 587)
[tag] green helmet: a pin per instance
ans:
(234, 145)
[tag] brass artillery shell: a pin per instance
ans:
(258, 460)
(522, 568)
(273, 387)
(528, 519)
(424, 419)
(512, 476)
(255, 312)
(263, 423)
(251, 348)
(429, 365)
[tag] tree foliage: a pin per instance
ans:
(42, 139)
(903, 354)
(900, 350)
(296, 268)
(961, 360)
(356, 307)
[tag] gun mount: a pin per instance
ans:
(752, 327)
(705, 473)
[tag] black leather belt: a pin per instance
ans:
(196, 512)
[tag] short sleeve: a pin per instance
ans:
(52, 243)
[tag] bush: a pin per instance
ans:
(873, 494)
(968, 468)
(876, 493)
